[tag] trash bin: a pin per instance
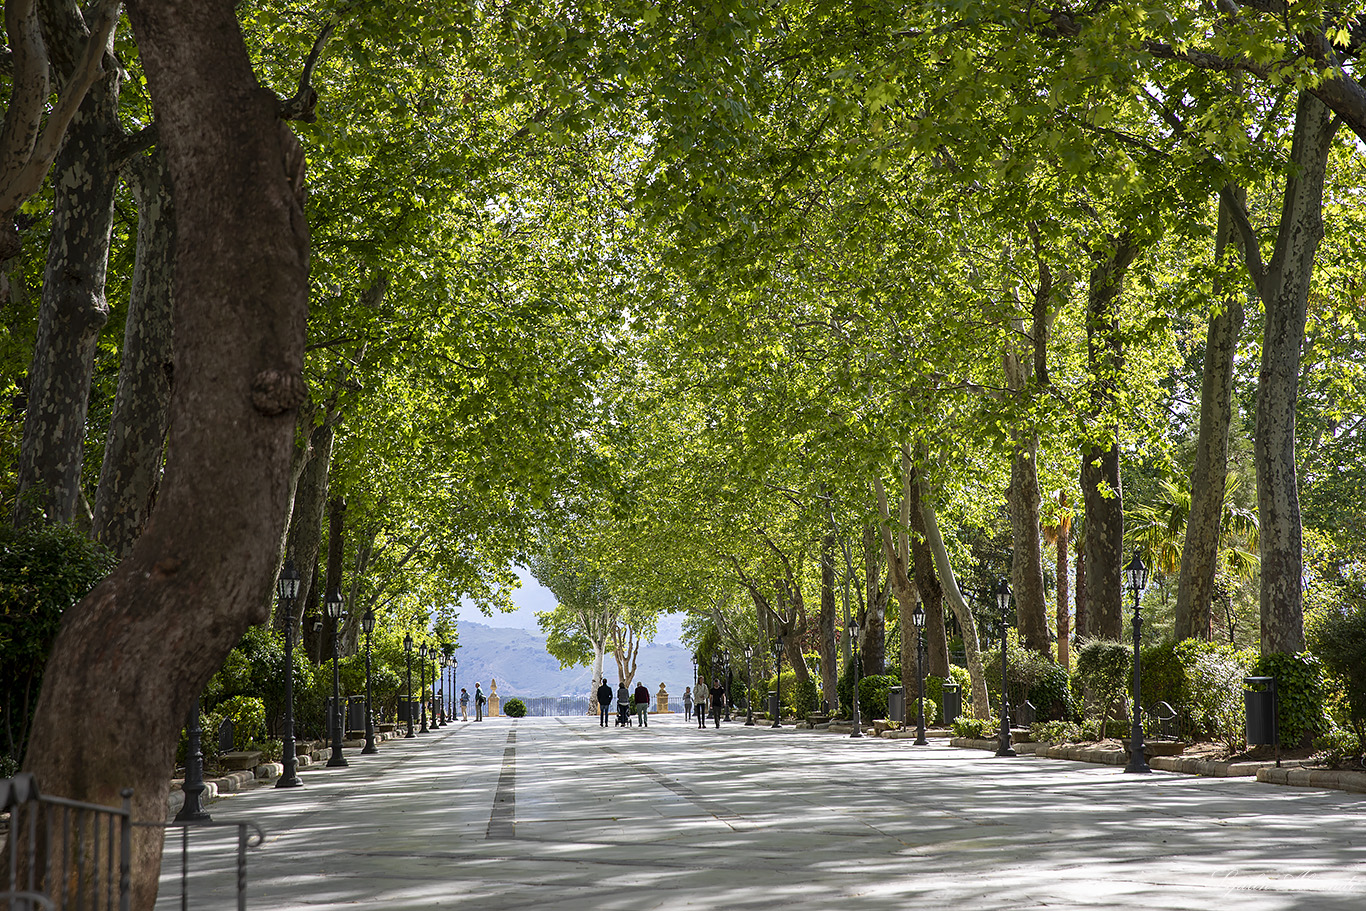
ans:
(408, 708)
(355, 714)
(953, 703)
(1260, 701)
(896, 704)
(773, 704)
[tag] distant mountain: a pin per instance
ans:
(517, 659)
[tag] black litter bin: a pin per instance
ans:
(355, 714)
(1260, 701)
(772, 704)
(953, 703)
(896, 704)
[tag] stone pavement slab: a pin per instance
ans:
(559, 814)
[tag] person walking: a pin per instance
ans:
(623, 705)
(718, 699)
(699, 708)
(641, 698)
(478, 703)
(464, 704)
(687, 703)
(604, 702)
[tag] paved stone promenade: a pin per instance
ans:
(558, 813)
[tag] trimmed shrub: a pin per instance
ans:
(976, 728)
(248, 716)
(514, 708)
(1056, 732)
(1301, 693)
(1103, 666)
(1035, 677)
(913, 711)
(934, 691)
(1214, 682)
(872, 695)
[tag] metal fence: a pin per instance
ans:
(74, 856)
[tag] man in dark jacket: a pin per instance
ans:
(623, 705)
(642, 704)
(718, 700)
(604, 702)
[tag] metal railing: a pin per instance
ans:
(249, 835)
(74, 856)
(65, 853)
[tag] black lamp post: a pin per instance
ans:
(853, 635)
(192, 810)
(723, 660)
(367, 622)
(1003, 606)
(749, 686)
(455, 666)
(333, 606)
(288, 589)
(408, 655)
(1136, 575)
(918, 618)
(422, 684)
(778, 686)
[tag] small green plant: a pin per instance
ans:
(514, 708)
(270, 750)
(975, 728)
(872, 695)
(1056, 732)
(248, 716)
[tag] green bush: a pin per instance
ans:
(913, 711)
(976, 728)
(43, 571)
(1214, 683)
(248, 715)
(1103, 666)
(1056, 732)
(1337, 635)
(872, 695)
(804, 699)
(934, 690)
(514, 708)
(1301, 695)
(1035, 677)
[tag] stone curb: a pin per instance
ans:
(1338, 779)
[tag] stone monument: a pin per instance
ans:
(493, 698)
(662, 699)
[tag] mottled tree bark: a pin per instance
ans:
(149, 636)
(927, 582)
(1283, 286)
(137, 427)
(1026, 568)
(873, 631)
(1064, 619)
(306, 521)
(1082, 610)
(1100, 484)
(74, 308)
(1200, 550)
(825, 640)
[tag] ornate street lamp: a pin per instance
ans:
(1136, 576)
(287, 588)
(333, 606)
(408, 708)
(749, 686)
(193, 786)
(918, 618)
(1003, 606)
(853, 635)
(422, 684)
(455, 666)
(778, 685)
(367, 622)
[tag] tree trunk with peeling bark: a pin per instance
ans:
(1209, 474)
(927, 583)
(825, 639)
(74, 308)
(1100, 483)
(150, 635)
(873, 630)
(137, 427)
(981, 703)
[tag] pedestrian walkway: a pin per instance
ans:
(554, 814)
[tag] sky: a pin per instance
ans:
(533, 597)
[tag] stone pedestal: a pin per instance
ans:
(494, 702)
(662, 700)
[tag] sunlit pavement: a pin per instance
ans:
(559, 813)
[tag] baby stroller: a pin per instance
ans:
(623, 714)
